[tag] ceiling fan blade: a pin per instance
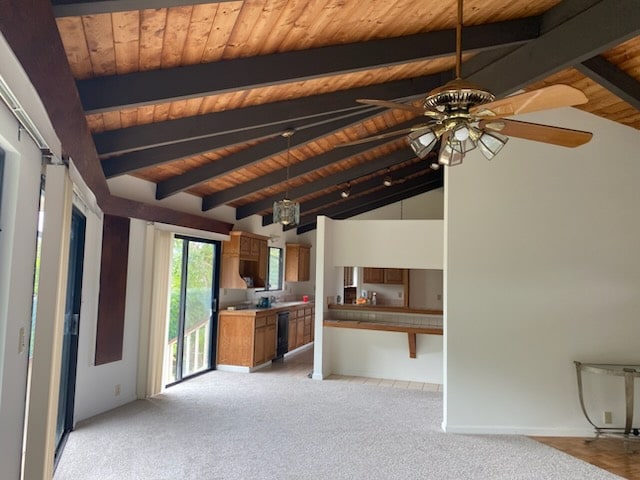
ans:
(395, 133)
(553, 96)
(401, 106)
(563, 137)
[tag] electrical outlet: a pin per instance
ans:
(117, 390)
(607, 418)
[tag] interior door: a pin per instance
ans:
(71, 327)
(191, 333)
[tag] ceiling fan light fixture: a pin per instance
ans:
(286, 212)
(422, 142)
(461, 132)
(450, 157)
(490, 143)
(463, 146)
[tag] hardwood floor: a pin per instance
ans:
(607, 453)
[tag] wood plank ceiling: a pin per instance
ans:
(194, 96)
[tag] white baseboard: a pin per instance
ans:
(517, 430)
(232, 368)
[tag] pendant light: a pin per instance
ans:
(285, 211)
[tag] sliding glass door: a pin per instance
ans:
(191, 338)
(71, 325)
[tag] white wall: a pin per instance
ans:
(389, 243)
(426, 206)
(376, 354)
(542, 269)
(95, 385)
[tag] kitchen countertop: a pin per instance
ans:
(275, 307)
(386, 326)
(383, 308)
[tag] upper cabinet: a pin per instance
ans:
(244, 261)
(373, 275)
(392, 276)
(297, 262)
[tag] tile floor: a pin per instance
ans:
(301, 363)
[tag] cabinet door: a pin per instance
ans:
(270, 342)
(292, 333)
(292, 260)
(255, 247)
(373, 275)
(300, 332)
(394, 276)
(263, 260)
(258, 346)
(245, 246)
(304, 264)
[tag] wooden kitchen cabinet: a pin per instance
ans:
(373, 275)
(297, 262)
(392, 276)
(264, 345)
(301, 323)
(244, 256)
(246, 339)
(249, 338)
(293, 329)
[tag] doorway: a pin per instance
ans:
(69, 362)
(193, 309)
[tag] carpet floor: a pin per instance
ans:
(229, 426)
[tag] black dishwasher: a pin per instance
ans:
(283, 335)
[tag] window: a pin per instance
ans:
(274, 269)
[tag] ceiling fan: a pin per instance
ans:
(465, 116)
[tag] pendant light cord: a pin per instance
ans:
(288, 134)
(459, 42)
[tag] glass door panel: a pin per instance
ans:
(193, 308)
(198, 302)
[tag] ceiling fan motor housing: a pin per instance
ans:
(457, 95)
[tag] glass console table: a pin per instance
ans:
(630, 373)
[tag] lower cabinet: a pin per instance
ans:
(246, 339)
(249, 339)
(300, 326)
(264, 342)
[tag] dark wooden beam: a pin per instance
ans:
(609, 76)
(355, 201)
(141, 88)
(124, 207)
(356, 189)
(399, 156)
(588, 33)
(251, 155)
(31, 31)
(138, 137)
(133, 161)
(296, 170)
(371, 203)
(74, 8)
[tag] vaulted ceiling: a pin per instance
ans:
(194, 96)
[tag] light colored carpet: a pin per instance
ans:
(264, 426)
